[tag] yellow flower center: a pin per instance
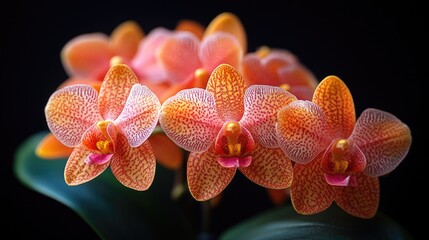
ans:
(340, 148)
(232, 131)
(105, 146)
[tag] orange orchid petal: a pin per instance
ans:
(70, 111)
(254, 72)
(77, 171)
(362, 200)
(87, 55)
(384, 140)
(334, 97)
(310, 193)
(227, 86)
(96, 84)
(111, 101)
(189, 118)
(302, 131)
(261, 104)
(297, 75)
(230, 23)
(206, 177)
(171, 159)
(191, 26)
(220, 48)
(134, 167)
(125, 39)
(270, 168)
(179, 57)
(139, 116)
(51, 148)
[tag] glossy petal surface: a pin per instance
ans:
(206, 177)
(70, 111)
(115, 90)
(227, 86)
(139, 116)
(133, 167)
(384, 140)
(334, 97)
(310, 193)
(302, 131)
(261, 104)
(77, 172)
(190, 119)
(270, 168)
(362, 200)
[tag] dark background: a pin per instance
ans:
(372, 47)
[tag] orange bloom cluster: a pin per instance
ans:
(196, 95)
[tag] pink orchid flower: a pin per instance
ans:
(170, 61)
(226, 127)
(109, 128)
(339, 158)
(279, 67)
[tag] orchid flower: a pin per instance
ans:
(279, 67)
(226, 127)
(339, 158)
(87, 59)
(175, 60)
(109, 128)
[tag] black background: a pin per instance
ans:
(372, 47)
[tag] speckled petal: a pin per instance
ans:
(310, 193)
(227, 86)
(302, 131)
(360, 201)
(126, 38)
(115, 89)
(384, 140)
(270, 168)
(230, 23)
(334, 97)
(178, 56)
(220, 48)
(77, 171)
(140, 115)
(133, 167)
(261, 104)
(87, 55)
(70, 111)
(189, 118)
(206, 177)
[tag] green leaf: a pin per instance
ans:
(112, 210)
(285, 223)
